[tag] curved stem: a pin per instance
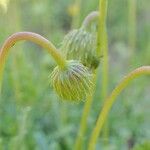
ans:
(109, 101)
(33, 37)
(91, 17)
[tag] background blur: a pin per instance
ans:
(32, 117)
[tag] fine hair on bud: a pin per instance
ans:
(73, 83)
(80, 44)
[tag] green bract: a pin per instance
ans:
(80, 45)
(73, 83)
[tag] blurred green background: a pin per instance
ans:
(32, 117)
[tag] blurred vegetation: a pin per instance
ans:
(31, 114)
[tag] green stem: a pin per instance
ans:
(102, 50)
(90, 18)
(109, 101)
(101, 43)
(84, 118)
(33, 37)
(101, 46)
(105, 82)
(105, 67)
(87, 106)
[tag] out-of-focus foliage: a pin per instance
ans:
(3, 4)
(144, 146)
(31, 114)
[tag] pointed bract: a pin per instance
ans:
(80, 45)
(73, 83)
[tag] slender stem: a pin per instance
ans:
(93, 16)
(84, 118)
(102, 50)
(101, 43)
(101, 46)
(109, 101)
(105, 68)
(33, 37)
(90, 18)
(105, 82)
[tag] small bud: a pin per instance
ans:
(73, 83)
(80, 45)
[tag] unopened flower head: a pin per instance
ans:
(72, 83)
(80, 44)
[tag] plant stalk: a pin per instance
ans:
(87, 106)
(104, 90)
(90, 18)
(109, 101)
(33, 37)
(84, 119)
(101, 43)
(102, 50)
(101, 46)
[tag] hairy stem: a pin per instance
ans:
(90, 18)
(33, 37)
(109, 101)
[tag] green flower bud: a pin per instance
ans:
(80, 44)
(73, 83)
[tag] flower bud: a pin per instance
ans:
(80, 45)
(73, 83)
